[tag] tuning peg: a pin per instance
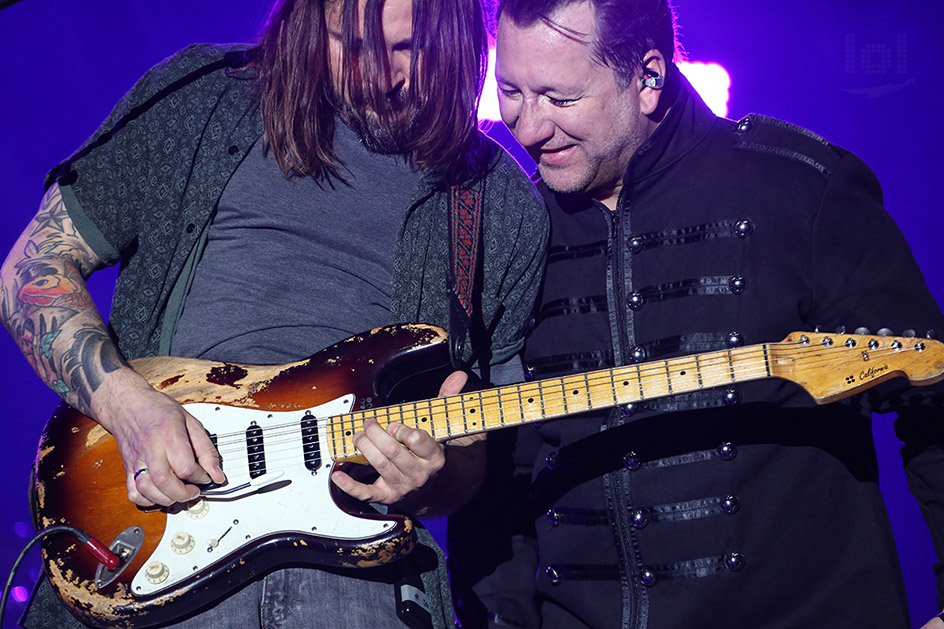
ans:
(908, 334)
(841, 329)
(932, 334)
(863, 331)
(884, 332)
(818, 328)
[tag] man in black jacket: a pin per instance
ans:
(675, 232)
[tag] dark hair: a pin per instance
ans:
(297, 94)
(625, 29)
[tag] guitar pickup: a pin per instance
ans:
(255, 449)
(310, 445)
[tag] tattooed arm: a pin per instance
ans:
(45, 305)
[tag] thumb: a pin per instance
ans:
(454, 383)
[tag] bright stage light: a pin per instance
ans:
(711, 81)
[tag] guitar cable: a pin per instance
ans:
(98, 550)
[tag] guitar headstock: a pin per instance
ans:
(834, 366)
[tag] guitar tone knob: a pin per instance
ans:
(156, 572)
(182, 543)
(198, 509)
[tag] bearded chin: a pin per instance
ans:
(378, 138)
(389, 139)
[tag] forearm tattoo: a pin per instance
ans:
(45, 305)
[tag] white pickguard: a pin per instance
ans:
(294, 498)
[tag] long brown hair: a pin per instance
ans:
(299, 103)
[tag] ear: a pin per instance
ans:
(651, 80)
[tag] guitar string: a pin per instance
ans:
(491, 396)
(276, 455)
(552, 402)
(486, 397)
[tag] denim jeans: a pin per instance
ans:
(289, 598)
(302, 598)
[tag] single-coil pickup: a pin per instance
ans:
(310, 444)
(255, 449)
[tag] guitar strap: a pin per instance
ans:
(465, 251)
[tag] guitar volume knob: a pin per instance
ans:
(198, 509)
(156, 572)
(182, 543)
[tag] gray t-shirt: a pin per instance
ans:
(292, 266)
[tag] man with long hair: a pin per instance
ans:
(675, 232)
(265, 202)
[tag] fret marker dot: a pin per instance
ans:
(347, 433)
(682, 373)
(530, 400)
(471, 410)
(423, 420)
(625, 383)
(576, 392)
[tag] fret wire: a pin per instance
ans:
(500, 409)
(563, 393)
(613, 389)
(465, 414)
(431, 416)
(408, 414)
(520, 404)
(389, 411)
(668, 377)
(642, 391)
(485, 398)
(586, 384)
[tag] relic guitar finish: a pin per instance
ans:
(281, 430)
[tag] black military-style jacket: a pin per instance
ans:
(743, 505)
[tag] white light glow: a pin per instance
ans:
(488, 104)
(710, 80)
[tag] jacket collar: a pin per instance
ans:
(687, 123)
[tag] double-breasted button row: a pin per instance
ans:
(732, 561)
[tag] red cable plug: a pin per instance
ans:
(101, 552)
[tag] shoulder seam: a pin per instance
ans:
(782, 152)
(789, 126)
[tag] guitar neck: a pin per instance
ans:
(513, 405)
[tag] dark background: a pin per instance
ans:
(865, 74)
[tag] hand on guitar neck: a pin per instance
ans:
(408, 459)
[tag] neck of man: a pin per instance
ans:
(608, 193)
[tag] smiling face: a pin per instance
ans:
(565, 107)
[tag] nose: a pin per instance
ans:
(399, 71)
(532, 126)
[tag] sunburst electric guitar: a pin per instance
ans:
(281, 430)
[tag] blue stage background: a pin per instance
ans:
(865, 74)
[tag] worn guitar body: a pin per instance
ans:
(280, 509)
